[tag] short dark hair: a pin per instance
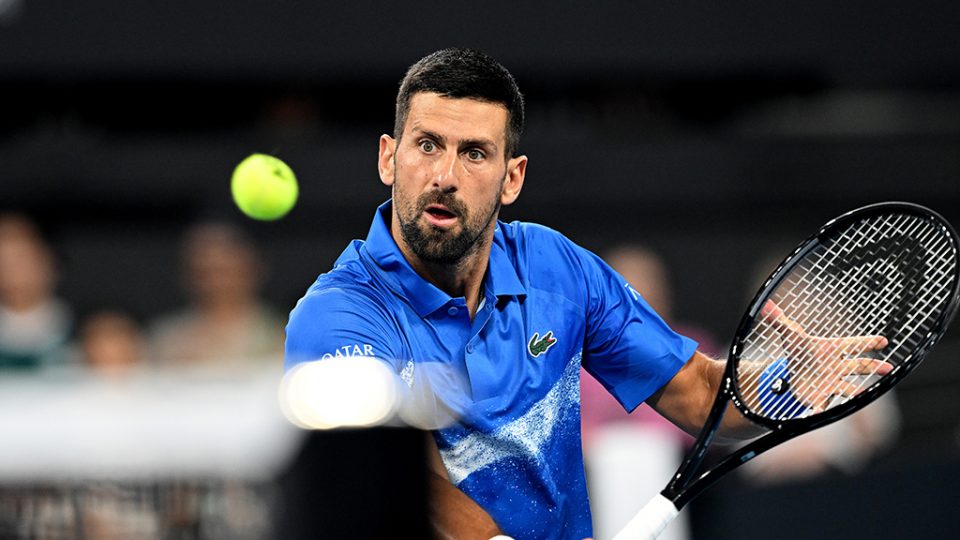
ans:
(463, 73)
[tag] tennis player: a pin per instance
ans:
(515, 308)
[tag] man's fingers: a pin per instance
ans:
(859, 344)
(790, 330)
(821, 400)
(867, 366)
(793, 333)
(847, 389)
(770, 310)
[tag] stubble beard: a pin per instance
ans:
(433, 245)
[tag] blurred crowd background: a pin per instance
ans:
(708, 138)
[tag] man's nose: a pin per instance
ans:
(446, 172)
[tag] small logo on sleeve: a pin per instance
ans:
(539, 345)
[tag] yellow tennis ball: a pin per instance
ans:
(264, 187)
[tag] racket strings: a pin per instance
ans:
(829, 375)
(798, 287)
(864, 379)
(936, 292)
(815, 324)
(794, 297)
(870, 309)
(852, 286)
(830, 296)
(817, 389)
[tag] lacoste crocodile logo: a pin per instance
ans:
(538, 345)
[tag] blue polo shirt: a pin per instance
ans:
(511, 374)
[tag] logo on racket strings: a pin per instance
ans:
(887, 272)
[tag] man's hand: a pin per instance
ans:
(819, 366)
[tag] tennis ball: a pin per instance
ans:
(264, 187)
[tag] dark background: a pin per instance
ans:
(720, 134)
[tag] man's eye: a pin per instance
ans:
(475, 155)
(428, 146)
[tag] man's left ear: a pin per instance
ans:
(513, 183)
(385, 161)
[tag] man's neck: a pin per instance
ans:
(464, 278)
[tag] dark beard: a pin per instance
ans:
(439, 247)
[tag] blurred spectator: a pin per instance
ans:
(35, 325)
(113, 511)
(111, 343)
(629, 458)
(226, 324)
(846, 446)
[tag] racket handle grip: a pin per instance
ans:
(650, 521)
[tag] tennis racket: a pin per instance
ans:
(843, 319)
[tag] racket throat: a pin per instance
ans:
(685, 477)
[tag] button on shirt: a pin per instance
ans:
(510, 376)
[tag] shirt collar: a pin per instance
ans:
(500, 279)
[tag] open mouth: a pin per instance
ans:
(439, 215)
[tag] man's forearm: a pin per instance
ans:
(456, 516)
(734, 426)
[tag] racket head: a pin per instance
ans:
(889, 269)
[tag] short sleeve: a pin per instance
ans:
(629, 349)
(339, 322)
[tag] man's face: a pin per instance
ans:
(449, 176)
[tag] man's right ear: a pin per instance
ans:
(388, 147)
